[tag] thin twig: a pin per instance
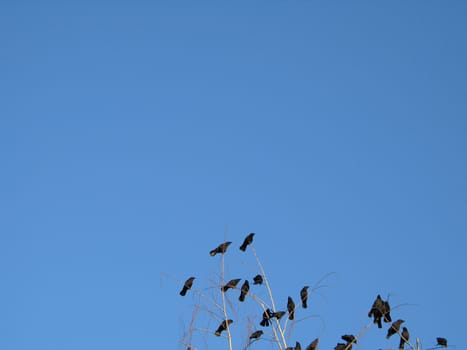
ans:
(266, 281)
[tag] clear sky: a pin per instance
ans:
(137, 136)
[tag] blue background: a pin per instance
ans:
(136, 136)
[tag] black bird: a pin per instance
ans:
(256, 335)
(386, 310)
(442, 341)
(222, 327)
(248, 240)
(349, 338)
(404, 338)
(291, 308)
(313, 344)
(340, 346)
(376, 311)
(230, 284)
(394, 328)
(187, 285)
(267, 314)
(258, 279)
(221, 249)
(278, 314)
(244, 291)
(304, 296)
(297, 347)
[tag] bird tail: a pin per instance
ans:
(401, 344)
(291, 315)
(243, 247)
(183, 291)
(241, 297)
(304, 304)
(213, 252)
(378, 321)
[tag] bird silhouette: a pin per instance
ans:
(248, 240)
(222, 327)
(304, 296)
(404, 338)
(187, 285)
(313, 344)
(278, 314)
(386, 311)
(244, 290)
(231, 284)
(394, 328)
(290, 308)
(340, 346)
(267, 315)
(220, 249)
(258, 279)
(442, 341)
(256, 335)
(376, 311)
(349, 338)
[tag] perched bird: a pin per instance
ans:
(394, 328)
(248, 240)
(258, 279)
(304, 296)
(222, 327)
(221, 249)
(290, 308)
(278, 314)
(404, 338)
(386, 311)
(349, 338)
(231, 284)
(340, 346)
(244, 290)
(313, 344)
(297, 347)
(187, 285)
(267, 315)
(376, 311)
(256, 335)
(442, 341)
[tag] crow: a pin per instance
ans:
(258, 279)
(248, 240)
(442, 341)
(231, 284)
(291, 308)
(377, 311)
(256, 335)
(386, 310)
(187, 285)
(222, 327)
(278, 314)
(394, 328)
(304, 296)
(349, 338)
(267, 314)
(244, 290)
(404, 338)
(297, 347)
(313, 344)
(221, 249)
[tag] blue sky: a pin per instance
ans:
(136, 136)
